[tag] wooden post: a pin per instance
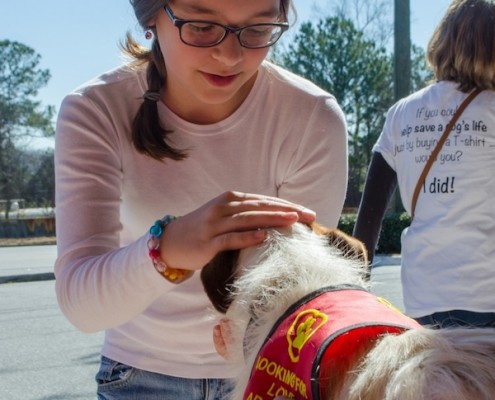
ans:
(402, 49)
(402, 66)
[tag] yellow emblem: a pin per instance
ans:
(304, 326)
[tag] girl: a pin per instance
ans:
(192, 127)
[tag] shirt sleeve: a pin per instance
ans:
(317, 173)
(95, 277)
(381, 183)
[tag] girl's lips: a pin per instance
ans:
(219, 80)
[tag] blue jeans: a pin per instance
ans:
(117, 381)
(457, 318)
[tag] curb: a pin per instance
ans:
(388, 260)
(48, 276)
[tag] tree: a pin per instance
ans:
(39, 188)
(370, 17)
(337, 57)
(20, 113)
(421, 73)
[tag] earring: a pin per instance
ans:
(149, 34)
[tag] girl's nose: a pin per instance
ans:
(229, 52)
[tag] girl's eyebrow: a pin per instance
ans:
(197, 9)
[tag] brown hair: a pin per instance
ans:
(148, 135)
(462, 48)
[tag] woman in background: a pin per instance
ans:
(448, 252)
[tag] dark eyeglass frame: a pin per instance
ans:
(179, 23)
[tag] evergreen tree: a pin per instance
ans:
(20, 113)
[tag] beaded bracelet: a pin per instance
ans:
(174, 275)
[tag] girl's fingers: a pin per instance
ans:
(268, 201)
(304, 215)
(238, 240)
(232, 203)
(252, 220)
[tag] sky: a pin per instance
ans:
(78, 40)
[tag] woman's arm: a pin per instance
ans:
(98, 283)
(380, 185)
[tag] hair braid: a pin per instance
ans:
(148, 135)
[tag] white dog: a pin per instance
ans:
(300, 321)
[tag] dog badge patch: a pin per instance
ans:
(305, 325)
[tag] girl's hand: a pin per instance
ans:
(230, 221)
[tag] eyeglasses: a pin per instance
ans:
(200, 33)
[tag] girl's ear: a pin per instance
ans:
(218, 276)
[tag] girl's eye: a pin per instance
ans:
(202, 27)
(259, 31)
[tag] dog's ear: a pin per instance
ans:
(218, 276)
(350, 246)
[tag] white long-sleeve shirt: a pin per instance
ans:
(288, 139)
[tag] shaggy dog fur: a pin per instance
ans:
(255, 286)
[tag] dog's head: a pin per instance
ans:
(255, 286)
(219, 275)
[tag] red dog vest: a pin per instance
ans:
(326, 325)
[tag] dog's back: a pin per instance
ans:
(427, 364)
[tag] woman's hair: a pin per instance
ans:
(462, 48)
(148, 135)
(427, 364)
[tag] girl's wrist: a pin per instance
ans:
(174, 275)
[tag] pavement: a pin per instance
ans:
(382, 260)
(35, 263)
(20, 264)
(27, 263)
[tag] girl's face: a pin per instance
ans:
(206, 85)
